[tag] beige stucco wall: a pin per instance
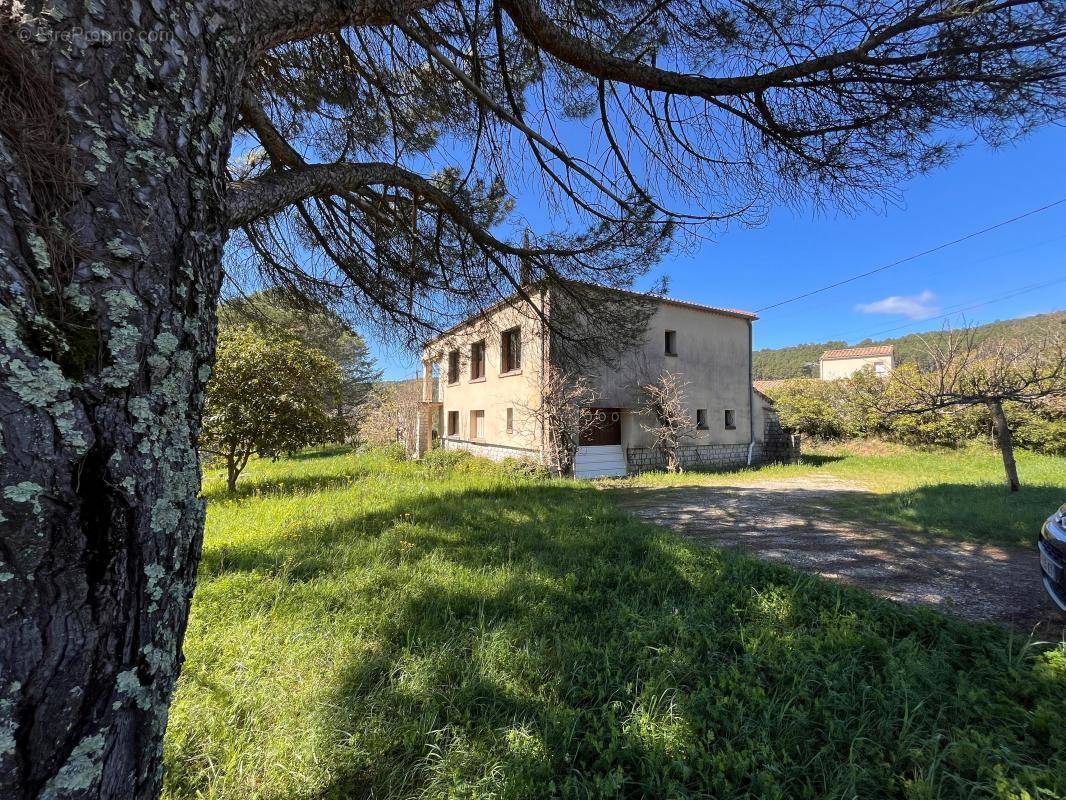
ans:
(836, 368)
(713, 354)
(496, 392)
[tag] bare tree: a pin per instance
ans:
(671, 424)
(390, 414)
(561, 414)
(967, 371)
(364, 154)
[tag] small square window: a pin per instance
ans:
(510, 420)
(477, 360)
(730, 419)
(671, 343)
(701, 419)
(453, 423)
(477, 424)
(453, 366)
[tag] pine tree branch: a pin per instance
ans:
(279, 21)
(539, 28)
(254, 198)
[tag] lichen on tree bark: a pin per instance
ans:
(100, 476)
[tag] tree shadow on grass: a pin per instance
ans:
(983, 513)
(327, 451)
(260, 486)
(819, 459)
(537, 642)
(464, 526)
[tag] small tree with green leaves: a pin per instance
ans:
(268, 395)
(277, 313)
(966, 371)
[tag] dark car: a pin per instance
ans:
(1052, 546)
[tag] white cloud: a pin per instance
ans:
(915, 306)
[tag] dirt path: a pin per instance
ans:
(792, 521)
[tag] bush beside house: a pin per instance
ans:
(844, 409)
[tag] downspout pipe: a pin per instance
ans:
(751, 399)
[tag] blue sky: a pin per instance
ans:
(799, 249)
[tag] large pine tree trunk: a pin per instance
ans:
(1006, 444)
(110, 252)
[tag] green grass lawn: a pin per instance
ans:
(958, 493)
(371, 628)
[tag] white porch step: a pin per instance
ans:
(600, 461)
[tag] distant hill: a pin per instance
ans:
(788, 362)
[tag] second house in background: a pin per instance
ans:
(837, 364)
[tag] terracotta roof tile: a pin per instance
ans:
(859, 352)
(763, 384)
(730, 312)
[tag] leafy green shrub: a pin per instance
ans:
(393, 451)
(525, 467)
(951, 427)
(1041, 428)
(441, 460)
(813, 408)
(848, 408)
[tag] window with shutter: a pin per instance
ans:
(511, 350)
(453, 366)
(477, 360)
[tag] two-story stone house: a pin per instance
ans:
(484, 379)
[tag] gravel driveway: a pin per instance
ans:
(792, 521)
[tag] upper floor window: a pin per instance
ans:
(511, 350)
(671, 343)
(453, 366)
(477, 360)
(881, 368)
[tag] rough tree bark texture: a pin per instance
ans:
(1006, 444)
(99, 474)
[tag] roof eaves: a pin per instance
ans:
(728, 312)
(858, 352)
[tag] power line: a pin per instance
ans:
(967, 264)
(912, 257)
(958, 310)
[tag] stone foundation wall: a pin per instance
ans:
(497, 452)
(777, 445)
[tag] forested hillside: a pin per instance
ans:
(788, 362)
